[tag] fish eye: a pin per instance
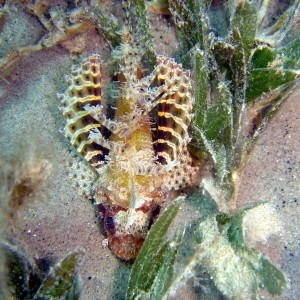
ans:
(109, 222)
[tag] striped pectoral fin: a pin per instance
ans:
(84, 89)
(80, 139)
(174, 110)
(185, 173)
(172, 131)
(81, 175)
(84, 84)
(118, 128)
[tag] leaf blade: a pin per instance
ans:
(144, 268)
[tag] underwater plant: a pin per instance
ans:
(28, 280)
(241, 78)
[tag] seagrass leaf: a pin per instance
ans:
(150, 257)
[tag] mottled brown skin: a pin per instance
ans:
(124, 246)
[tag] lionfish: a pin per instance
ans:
(141, 153)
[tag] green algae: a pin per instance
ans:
(62, 282)
(215, 243)
(238, 69)
(106, 23)
(264, 80)
(290, 54)
(23, 279)
(27, 281)
(153, 269)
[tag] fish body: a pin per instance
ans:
(139, 154)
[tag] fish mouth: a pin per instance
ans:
(125, 247)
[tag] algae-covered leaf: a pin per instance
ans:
(23, 280)
(268, 276)
(235, 232)
(265, 80)
(237, 271)
(215, 244)
(217, 119)
(60, 281)
(244, 17)
(233, 227)
(264, 273)
(200, 73)
(150, 257)
(143, 19)
(290, 54)
(262, 57)
(278, 31)
(233, 276)
(222, 164)
(143, 29)
(107, 23)
(238, 67)
(184, 15)
(165, 274)
(271, 278)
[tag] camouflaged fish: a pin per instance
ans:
(141, 153)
